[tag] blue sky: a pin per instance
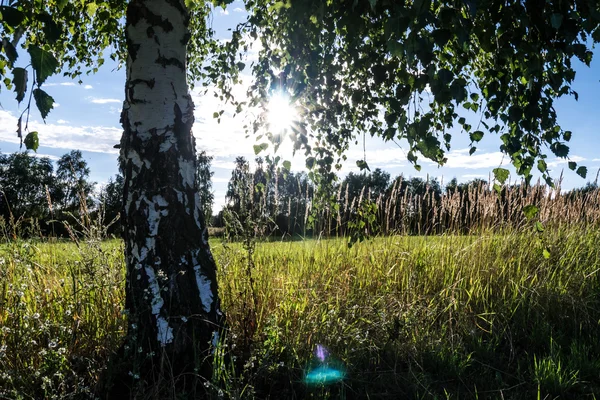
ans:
(86, 117)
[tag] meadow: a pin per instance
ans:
(504, 313)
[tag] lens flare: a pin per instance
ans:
(324, 369)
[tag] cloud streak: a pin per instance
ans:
(97, 100)
(87, 138)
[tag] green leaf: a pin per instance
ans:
(91, 8)
(472, 150)
(476, 136)
(20, 82)
(501, 174)
(287, 165)
(539, 227)
(530, 211)
(542, 166)
(43, 101)
(581, 171)
(32, 141)
(546, 253)
(572, 165)
(43, 63)
(260, 147)
(310, 162)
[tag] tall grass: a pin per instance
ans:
(422, 317)
(507, 313)
(475, 208)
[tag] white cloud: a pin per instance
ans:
(596, 159)
(561, 161)
(238, 9)
(50, 156)
(97, 100)
(87, 138)
(60, 84)
(62, 121)
(88, 87)
(461, 159)
(223, 12)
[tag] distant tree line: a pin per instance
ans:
(271, 201)
(33, 190)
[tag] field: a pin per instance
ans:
(509, 314)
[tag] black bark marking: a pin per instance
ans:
(131, 89)
(164, 61)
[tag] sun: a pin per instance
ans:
(281, 114)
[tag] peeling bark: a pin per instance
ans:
(171, 290)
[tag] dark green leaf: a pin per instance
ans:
(11, 16)
(582, 172)
(501, 174)
(32, 141)
(50, 28)
(43, 63)
(472, 150)
(476, 136)
(530, 211)
(9, 50)
(556, 20)
(43, 101)
(287, 165)
(61, 4)
(559, 149)
(310, 162)
(20, 82)
(362, 164)
(572, 165)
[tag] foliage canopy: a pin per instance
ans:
(399, 70)
(412, 70)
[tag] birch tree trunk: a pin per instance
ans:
(171, 293)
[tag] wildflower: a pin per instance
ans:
(52, 344)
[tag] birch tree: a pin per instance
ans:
(403, 70)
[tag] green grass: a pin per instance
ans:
(408, 317)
